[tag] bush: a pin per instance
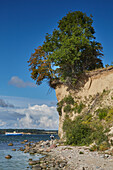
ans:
(69, 100)
(67, 108)
(79, 133)
(59, 107)
(103, 146)
(102, 113)
(78, 108)
(94, 148)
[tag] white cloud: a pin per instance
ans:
(43, 117)
(16, 81)
(2, 123)
(36, 116)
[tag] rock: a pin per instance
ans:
(32, 151)
(10, 144)
(30, 159)
(13, 149)
(48, 150)
(53, 146)
(21, 149)
(8, 157)
(26, 151)
(62, 165)
(25, 140)
(32, 162)
(36, 167)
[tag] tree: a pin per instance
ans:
(69, 51)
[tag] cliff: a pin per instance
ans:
(94, 90)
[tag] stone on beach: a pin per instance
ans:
(25, 140)
(36, 167)
(13, 149)
(10, 144)
(8, 157)
(32, 162)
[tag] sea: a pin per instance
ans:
(19, 160)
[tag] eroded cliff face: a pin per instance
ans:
(92, 87)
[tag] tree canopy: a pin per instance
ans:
(69, 51)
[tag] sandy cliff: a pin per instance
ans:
(92, 84)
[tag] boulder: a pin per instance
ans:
(26, 140)
(53, 146)
(32, 162)
(10, 144)
(13, 149)
(8, 157)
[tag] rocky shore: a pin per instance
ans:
(57, 156)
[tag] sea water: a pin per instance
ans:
(19, 160)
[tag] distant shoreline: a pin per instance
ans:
(29, 131)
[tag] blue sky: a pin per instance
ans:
(23, 26)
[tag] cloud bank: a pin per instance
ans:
(4, 104)
(16, 81)
(36, 116)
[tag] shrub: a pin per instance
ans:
(69, 100)
(79, 133)
(102, 113)
(67, 108)
(78, 108)
(103, 146)
(59, 107)
(109, 117)
(99, 135)
(94, 148)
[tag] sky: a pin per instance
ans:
(23, 26)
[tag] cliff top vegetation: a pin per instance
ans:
(69, 51)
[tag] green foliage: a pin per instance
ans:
(102, 113)
(109, 117)
(59, 107)
(79, 132)
(67, 108)
(78, 107)
(94, 148)
(98, 134)
(103, 146)
(69, 100)
(76, 132)
(71, 48)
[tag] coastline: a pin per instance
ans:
(58, 156)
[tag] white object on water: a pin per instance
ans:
(13, 133)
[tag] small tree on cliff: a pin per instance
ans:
(69, 51)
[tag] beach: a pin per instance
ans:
(43, 153)
(59, 156)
